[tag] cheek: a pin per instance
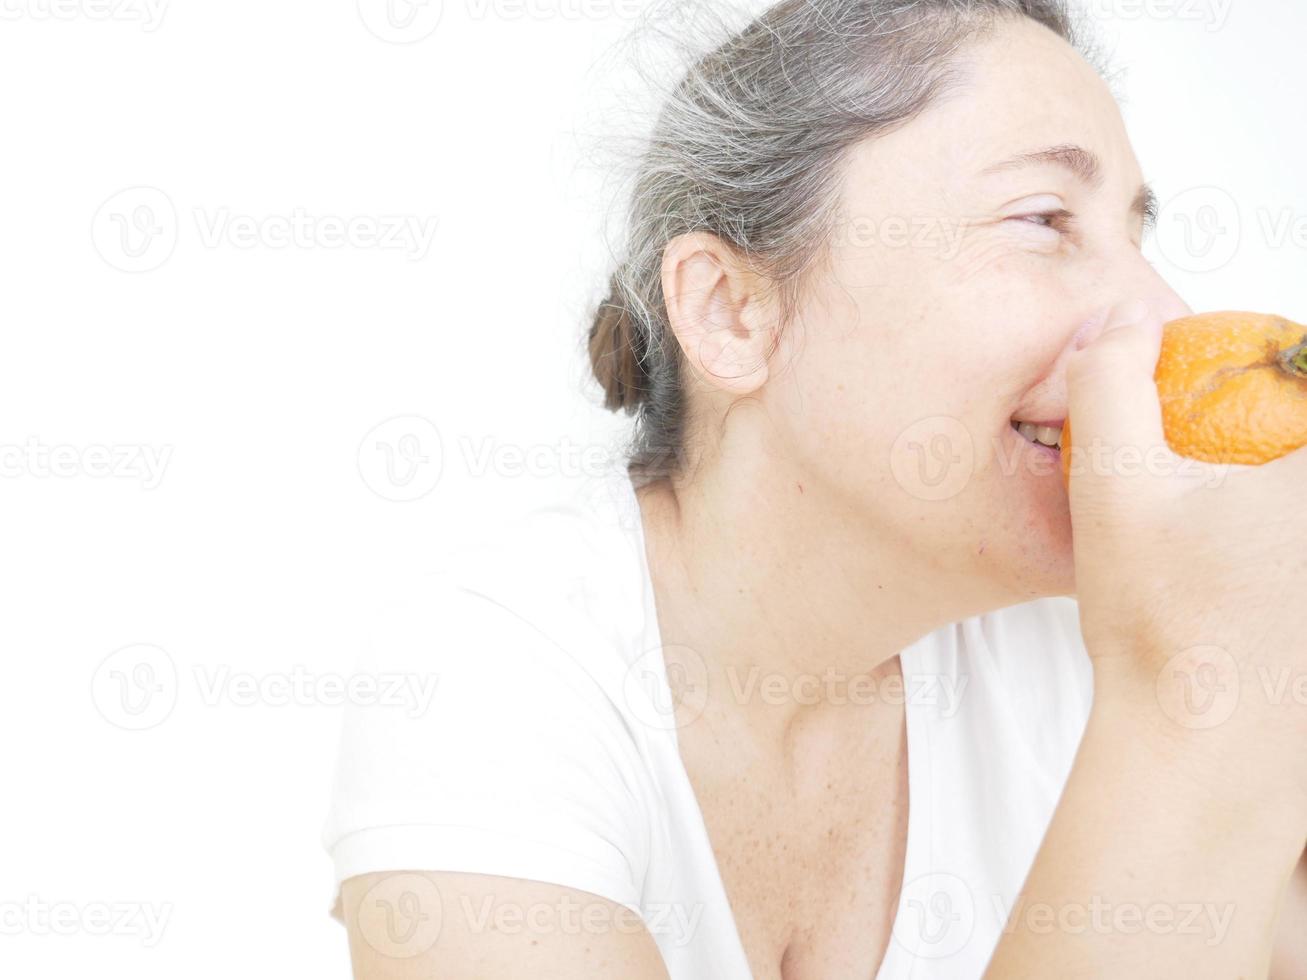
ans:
(1002, 343)
(914, 343)
(870, 415)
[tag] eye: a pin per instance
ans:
(1060, 220)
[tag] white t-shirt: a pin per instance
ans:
(547, 748)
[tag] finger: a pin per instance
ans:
(1112, 397)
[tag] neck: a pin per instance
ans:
(785, 595)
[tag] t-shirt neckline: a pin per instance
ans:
(919, 834)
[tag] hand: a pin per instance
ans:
(1190, 575)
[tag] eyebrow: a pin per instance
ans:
(1085, 166)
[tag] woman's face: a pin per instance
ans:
(962, 279)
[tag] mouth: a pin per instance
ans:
(1044, 435)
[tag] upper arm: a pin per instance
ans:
(409, 925)
(515, 770)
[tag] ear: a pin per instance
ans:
(716, 311)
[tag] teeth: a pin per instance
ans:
(1043, 434)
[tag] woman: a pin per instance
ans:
(804, 698)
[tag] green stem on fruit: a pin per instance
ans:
(1294, 360)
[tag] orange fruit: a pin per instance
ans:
(1233, 388)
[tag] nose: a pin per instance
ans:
(1166, 300)
(1140, 280)
(1129, 283)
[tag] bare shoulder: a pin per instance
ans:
(403, 923)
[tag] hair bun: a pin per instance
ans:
(618, 350)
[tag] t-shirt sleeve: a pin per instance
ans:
(485, 746)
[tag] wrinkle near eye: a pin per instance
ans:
(985, 254)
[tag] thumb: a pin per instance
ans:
(1112, 398)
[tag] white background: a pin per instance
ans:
(267, 539)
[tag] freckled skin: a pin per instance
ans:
(797, 549)
(971, 316)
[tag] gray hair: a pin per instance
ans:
(748, 146)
